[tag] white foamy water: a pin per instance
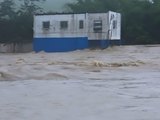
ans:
(119, 83)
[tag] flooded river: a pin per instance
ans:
(118, 83)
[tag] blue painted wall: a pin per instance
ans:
(70, 44)
(59, 44)
(99, 44)
(103, 43)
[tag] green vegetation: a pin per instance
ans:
(16, 24)
(140, 18)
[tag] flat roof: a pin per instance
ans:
(67, 13)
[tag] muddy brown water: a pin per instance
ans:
(119, 83)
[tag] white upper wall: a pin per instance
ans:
(96, 26)
(55, 30)
(114, 25)
(94, 18)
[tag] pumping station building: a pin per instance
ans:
(72, 31)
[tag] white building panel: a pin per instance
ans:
(60, 25)
(95, 26)
(114, 32)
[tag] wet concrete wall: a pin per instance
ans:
(16, 48)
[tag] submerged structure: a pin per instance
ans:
(71, 31)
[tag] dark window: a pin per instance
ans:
(81, 24)
(114, 24)
(46, 25)
(64, 24)
(97, 26)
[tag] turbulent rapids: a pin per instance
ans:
(118, 83)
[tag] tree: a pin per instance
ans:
(25, 19)
(87, 5)
(7, 9)
(140, 18)
(30, 6)
(7, 15)
(152, 20)
(16, 26)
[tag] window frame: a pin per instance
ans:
(46, 25)
(97, 26)
(81, 24)
(114, 24)
(63, 25)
